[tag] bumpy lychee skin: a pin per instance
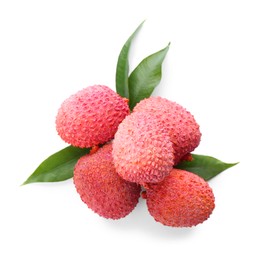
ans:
(142, 149)
(182, 199)
(101, 188)
(91, 116)
(182, 126)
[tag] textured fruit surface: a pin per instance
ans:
(142, 149)
(183, 199)
(182, 126)
(91, 116)
(101, 188)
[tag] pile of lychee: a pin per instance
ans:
(134, 154)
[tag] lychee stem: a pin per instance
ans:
(93, 149)
(144, 195)
(125, 99)
(187, 157)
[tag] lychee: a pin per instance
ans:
(181, 125)
(182, 199)
(101, 188)
(142, 149)
(91, 116)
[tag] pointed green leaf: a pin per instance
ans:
(57, 167)
(206, 167)
(145, 77)
(122, 69)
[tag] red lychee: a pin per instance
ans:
(182, 199)
(142, 149)
(181, 125)
(101, 188)
(91, 116)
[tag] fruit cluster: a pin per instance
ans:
(135, 153)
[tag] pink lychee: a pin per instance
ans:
(101, 188)
(91, 116)
(182, 199)
(180, 123)
(142, 149)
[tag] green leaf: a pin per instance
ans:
(145, 77)
(206, 167)
(122, 69)
(57, 167)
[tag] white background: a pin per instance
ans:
(51, 49)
